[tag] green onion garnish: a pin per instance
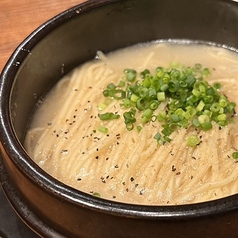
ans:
(108, 116)
(103, 129)
(235, 155)
(96, 194)
(193, 140)
(189, 100)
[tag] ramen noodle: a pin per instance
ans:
(130, 166)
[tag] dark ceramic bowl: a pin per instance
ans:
(53, 209)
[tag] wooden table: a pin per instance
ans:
(19, 18)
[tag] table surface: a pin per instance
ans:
(17, 20)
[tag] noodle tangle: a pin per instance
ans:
(130, 166)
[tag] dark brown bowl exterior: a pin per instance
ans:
(51, 208)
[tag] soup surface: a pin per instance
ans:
(103, 158)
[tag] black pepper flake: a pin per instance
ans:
(79, 179)
(173, 168)
(97, 157)
(107, 177)
(49, 123)
(116, 166)
(132, 179)
(191, 177)
(114, 196)
(103, 179)
(193, 157)
(97, 149)
(136, 185)
(178, 173)
(127, 189)
(107, 158)
(124, 183)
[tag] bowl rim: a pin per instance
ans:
(20, 158)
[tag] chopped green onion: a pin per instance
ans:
(206, 126)
(111, 86)
(217, 85)
(121, 84)
(102, 106)
(200, 106)
(198, 66)
(235, 155)
(134, 98)
(103, 129)
(146, 116)
(144, 73)
(161, 96)
(139, 128)
(161, 117)
(142, 104)
(164, 87)
(97, 194)
(129, 119)
(193, 140)
(186, 96)
(130, 75)
(154, 104)
(108, 116)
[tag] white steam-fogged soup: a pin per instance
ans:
(101, 157)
